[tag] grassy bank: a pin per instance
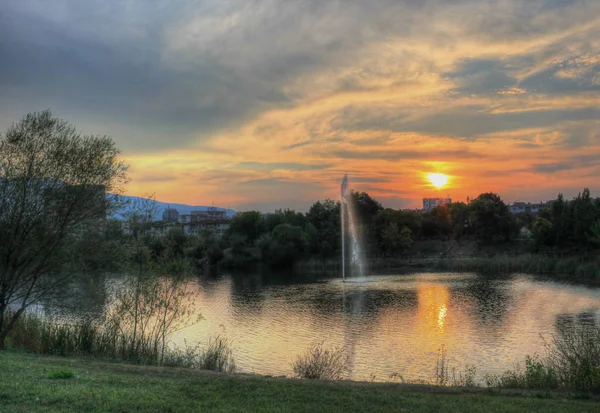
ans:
(48, 384)
(574, 267)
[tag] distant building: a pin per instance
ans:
(430, 203)
(211, 214)
(522, 207)
(170, 215)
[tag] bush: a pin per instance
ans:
(217, 357)
(321, 363)
(575, 355)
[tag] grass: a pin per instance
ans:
(321, 363)
(61, 374)
(572, 362)
(37, 334)
(575, 267)
(25, 386)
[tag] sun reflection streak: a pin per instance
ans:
(442, 316)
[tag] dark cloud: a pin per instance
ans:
(395, 155)
(289, 166)
(575, 162)
(479, 76)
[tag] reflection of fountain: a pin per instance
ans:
(346, 208)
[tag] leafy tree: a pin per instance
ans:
(584, 217)
(249, 225)
(325, 218)
(459, 215)
(390, 238)
(442, 219)
(406, 240)
(366, 207)
(542, 232)
(284, 216)
(491, 219)
(284, 246)
(594, 234)
(53, 185)
(395, 241)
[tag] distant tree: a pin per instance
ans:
(326, 219)
(284, 216)
(406, 240)
(491, 219)
(395, 241)
(542, 232)
(175, 242)
(248, 225)
(390, 238)
(284, 246)
(442, 219)
(594, 234)
(459, 214)
(584, 217)
(388, 218)
(366, 207)
(53, 187)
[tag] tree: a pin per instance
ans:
(442, 219)
(53, 186)
(326, 219)
(490, 219)
(366, 207)
(459, 214)
(248, 225)
(542, 232)
(284, 246)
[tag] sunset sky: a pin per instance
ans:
(266, 104)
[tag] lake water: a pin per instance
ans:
(388, 324)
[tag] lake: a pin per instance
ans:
(388, 323)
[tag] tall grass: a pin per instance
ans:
(217, 357)
(529, 263)
(572, 362)
(35, 333)
(321, 363)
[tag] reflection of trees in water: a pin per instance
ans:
(580, 320)
(83, 296)
(492, 301)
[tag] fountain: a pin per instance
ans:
(346, 207)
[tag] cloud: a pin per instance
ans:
(253, 101)
(575, 162)
(290, 166)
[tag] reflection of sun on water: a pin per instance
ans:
(442, 316)
(432, 309)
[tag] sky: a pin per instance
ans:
(263, 104)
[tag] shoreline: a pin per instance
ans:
(32, 383)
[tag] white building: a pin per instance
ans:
(430, 203)
(521, 207)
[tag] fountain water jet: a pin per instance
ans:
(355, 251)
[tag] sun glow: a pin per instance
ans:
(438, 180)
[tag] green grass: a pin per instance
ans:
(25, 386)
(61, 374)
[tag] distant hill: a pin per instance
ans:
(161, 206)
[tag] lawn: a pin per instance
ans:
(31, 383)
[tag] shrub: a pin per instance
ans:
(321, 363)
(217, 357)
(465, 378)
(575, 355)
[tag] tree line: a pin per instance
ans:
(286, 236)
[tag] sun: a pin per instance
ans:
(438, 180)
